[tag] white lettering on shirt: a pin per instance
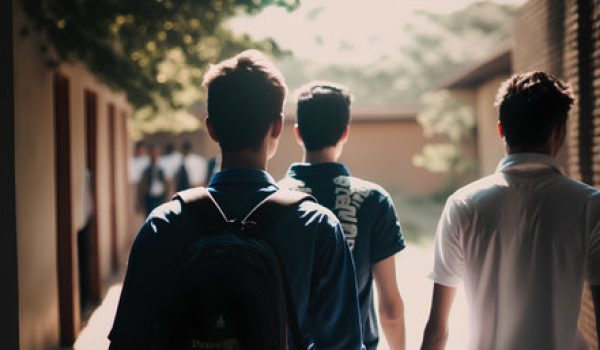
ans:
(346, 207)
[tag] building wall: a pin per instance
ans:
(35, 195)
(490, 147)
(562, 37)
(538, 39)
(36, 184)
(379, 151)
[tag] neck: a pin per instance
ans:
(245, 159)
(325, 155)
(517, 150)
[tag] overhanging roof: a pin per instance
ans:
(500, 62)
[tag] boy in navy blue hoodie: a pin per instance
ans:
(245, 98)
(364, 209)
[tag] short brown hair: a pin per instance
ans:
(245, 94)
(530, 106)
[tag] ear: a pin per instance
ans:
(345, 134)
(210, 129)
(560, 134)
(500, 131)
(298, 135)
(277, 127)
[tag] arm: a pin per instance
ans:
(333, 302)
(596, 297)
(448, 269)
(134, 320)
(391, 306)
(436, 331)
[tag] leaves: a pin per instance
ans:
(435, 46)
(443, 114)
(133, 45)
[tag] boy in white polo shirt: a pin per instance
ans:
(524, 239)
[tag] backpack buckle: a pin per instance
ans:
(241, 226)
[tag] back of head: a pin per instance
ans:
(323, 114)
(169, 148)
(245, 95)
(140, 148)
(186, 147)
(531, 105)
(153, 152)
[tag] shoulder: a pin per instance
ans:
(368, 189)
(290, 183)
(312, 213)
(485, 187)
(578, 188)
(163, 217)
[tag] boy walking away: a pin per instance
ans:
(192, 171)
(153, 186)
(177, 244)
(365, 210)
(523, 239)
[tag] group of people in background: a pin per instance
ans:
(522, 240)
(158, 176)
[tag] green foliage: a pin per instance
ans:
(436, 46)
(154, 50)
(443, 114)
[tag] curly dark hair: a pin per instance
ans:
(531, 105)
(245, 94)
(323, 113)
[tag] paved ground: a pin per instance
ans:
(419, 217)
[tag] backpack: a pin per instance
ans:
(229, 290)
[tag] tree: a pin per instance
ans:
(154, 50)
(445, 115)
(436, 46)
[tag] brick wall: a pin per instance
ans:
(563, 37)
(538, 37)
(582, 68)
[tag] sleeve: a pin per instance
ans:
(448, 265)
(133, 324)
(387, 237)
(593, 243)
(334, 302)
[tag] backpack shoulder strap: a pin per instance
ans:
(201, 206)
(270, 210)
(267, 213)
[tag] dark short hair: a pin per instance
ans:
(531, 105)
(169, 148)
(186, 146)
(323, 113)
(245, 95)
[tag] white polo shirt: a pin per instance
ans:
(522, 240)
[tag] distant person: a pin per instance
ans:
(83, 241)
(170, 161)
(213, 166)
(138, 163)
(153, 188)
(245, 98)
(365, 210)
(192, 171)
(524, 239)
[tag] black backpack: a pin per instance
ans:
(229, 290)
